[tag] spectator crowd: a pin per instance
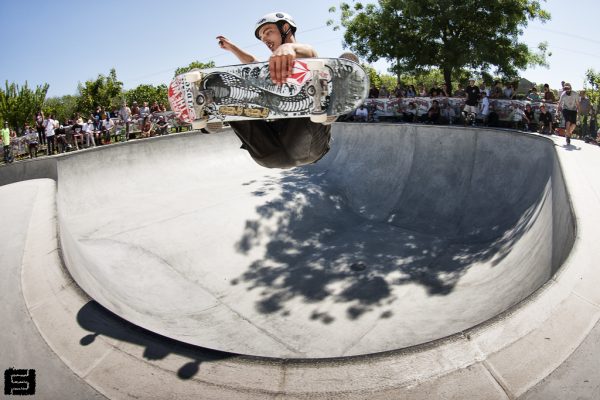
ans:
(50, 136)
(496, 105)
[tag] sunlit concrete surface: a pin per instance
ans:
(400, 236)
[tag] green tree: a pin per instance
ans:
(105, 91)
(373, 75)
(194, 64)
(426, 78)
(450, 35)
(593, 79)
(147, 93)
(378, 79)
(62, 107)
(18, 105)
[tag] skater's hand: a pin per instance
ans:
(225, 43)
(242, 55)
(280, 63)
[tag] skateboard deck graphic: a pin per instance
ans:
(317, 88)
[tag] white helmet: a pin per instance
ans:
(277, 18)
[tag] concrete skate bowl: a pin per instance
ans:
(400, 236)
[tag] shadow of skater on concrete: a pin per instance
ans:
(101, 322)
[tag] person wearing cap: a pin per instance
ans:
(568, 104)
(162, 125)
(472, 94)
(283, 143)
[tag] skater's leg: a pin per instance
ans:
(305, 142)
(283, 143)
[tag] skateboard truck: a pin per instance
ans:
(202, 99)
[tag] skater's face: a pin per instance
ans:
(269, 35)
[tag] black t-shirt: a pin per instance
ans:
(545, 118)
(472, 95)
(529, 115)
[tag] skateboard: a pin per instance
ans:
(318, 88)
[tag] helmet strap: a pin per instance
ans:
(285, 34)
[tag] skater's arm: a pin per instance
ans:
(301, 50)
(242, 55)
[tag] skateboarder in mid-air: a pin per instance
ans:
(283, 143)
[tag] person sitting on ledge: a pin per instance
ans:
(433, 114)
(546, 121)
(361, 114)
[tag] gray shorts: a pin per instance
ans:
(283, 143)
(470, 109)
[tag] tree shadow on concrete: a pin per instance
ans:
(318, 248)
(101, 322)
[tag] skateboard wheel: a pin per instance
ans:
(197, 125)
(193, 76)
(318, 118)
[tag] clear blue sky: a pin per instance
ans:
(64, 42)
